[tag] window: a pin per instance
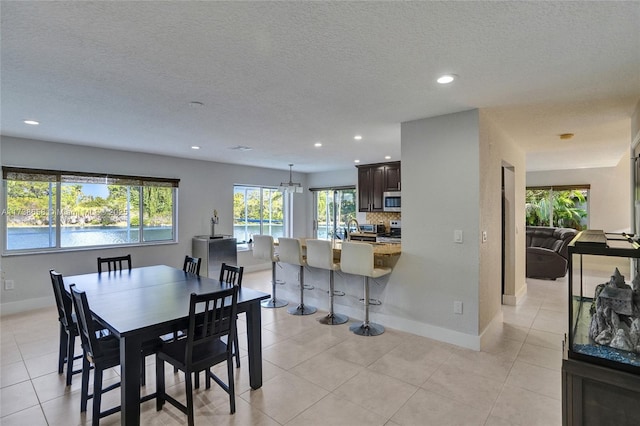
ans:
(48, 210)
(257, 211)
(334, 207)
(562, 206)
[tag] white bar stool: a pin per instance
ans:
(357, 259)
(290, 251)
(263, 249)
(320, 255)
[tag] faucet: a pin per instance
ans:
(349, 222)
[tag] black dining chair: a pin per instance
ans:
(68, 326)
(232, 275)
(209, 322)
(114, 263)
(192, 264)
(103, 352)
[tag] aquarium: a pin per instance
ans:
(604, 300)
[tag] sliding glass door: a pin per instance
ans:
(333, 208)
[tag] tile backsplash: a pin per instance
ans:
(383, 217)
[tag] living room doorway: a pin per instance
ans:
(508, 230)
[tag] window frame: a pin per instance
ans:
(336, 232)
(560, 188)
(58, 178)
(286, 209)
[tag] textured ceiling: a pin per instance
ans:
(280, 76)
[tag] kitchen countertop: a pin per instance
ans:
(379, 249)
(384, 254)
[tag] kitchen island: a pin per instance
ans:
(384, 254)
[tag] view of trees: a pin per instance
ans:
(32, 203)
(565, 209)
(248, 207)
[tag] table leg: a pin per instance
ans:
(254, 342)
(130, 350)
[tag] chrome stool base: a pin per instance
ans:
(273, 303)
(302, 310)
(333, 319)
(367, 329)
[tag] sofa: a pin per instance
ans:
(547, 251)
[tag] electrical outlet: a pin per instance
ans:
(457, 236)
(457, 307)
(9, 284)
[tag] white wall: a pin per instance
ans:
(609, 199)
(496, 150)
(203, 186)
(440, 184)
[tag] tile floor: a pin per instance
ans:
(322, 375)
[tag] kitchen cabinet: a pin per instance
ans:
(392, 177)
(373, 180)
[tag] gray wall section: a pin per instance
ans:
(440, 167)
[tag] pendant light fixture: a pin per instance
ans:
(291, 186)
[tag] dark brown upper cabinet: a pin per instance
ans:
(373, 180)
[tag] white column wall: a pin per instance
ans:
(440, 185)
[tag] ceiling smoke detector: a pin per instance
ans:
(565, 136)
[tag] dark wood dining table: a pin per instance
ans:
(144, 303)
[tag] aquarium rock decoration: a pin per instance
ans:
(615, 314)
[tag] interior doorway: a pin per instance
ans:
(508, 230)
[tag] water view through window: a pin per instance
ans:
(47, 210)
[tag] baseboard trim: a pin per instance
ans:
(10, 308)
(512, 300)
(494, 325)
(442, 334)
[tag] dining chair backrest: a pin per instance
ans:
(357, 258)
(230, 274)
(210, 320)
(192, 264)
(290, 251)
(63, 300)
(86, 327)
(320, 254)
(263, 248)
(114, 263)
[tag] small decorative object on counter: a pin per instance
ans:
(214, 222)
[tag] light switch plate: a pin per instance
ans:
(484, 236)
(457, 236)
(457, 307)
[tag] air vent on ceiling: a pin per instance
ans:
(241, 148)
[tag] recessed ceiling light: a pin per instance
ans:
(387, 157)
(446, 79)
(31, 122)
(317, 144)
(356, 161)
(357, 137)
(195, 147)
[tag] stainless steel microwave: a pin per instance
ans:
(391, 201)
